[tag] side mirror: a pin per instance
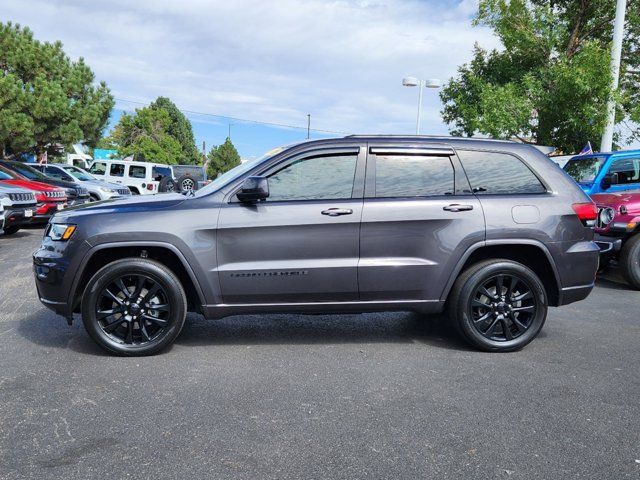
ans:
(254, 189)
(608, 180)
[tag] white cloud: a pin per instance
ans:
(341, 61)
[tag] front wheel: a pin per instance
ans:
(630, 261)
(498, 305)
(134, 307)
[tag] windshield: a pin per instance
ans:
(584, 170)
(78, 173)
(4, 176)
(236, 172)
(26, 171)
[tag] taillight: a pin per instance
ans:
(586, 212)
(150, 186)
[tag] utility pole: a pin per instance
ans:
(308, 125)
(616, 52)
(229, 136)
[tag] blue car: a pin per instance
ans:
(606, 172)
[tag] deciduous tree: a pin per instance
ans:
(551, 81)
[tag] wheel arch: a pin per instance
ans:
(531, 253)
(167, 254)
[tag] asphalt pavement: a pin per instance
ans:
(388, 396)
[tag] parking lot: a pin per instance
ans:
(287, 396)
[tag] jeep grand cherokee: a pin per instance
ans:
(492, 231)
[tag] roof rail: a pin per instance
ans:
(432, 137)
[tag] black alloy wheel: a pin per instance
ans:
(498, 305)
(133, 309)
(503, 307)
(134, 306)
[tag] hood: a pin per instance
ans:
(100, 183)
(138, 203)
(616, 199)
(6, 188)
(30, 185)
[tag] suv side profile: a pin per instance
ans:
(492, 231)
(142, 178)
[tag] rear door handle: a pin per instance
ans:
(456, 207)
(334, 212)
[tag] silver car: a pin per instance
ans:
(98, 189)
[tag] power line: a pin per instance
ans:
(245, 120)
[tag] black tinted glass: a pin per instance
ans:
(314, 179)
(628, 170)
(498, 173)
(413, 176)
(117, 170)
(137, 171)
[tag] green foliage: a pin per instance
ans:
(180, 129)
(222, 159)
(144, 134)
(45, 98)
(551, 82)
(158, 133)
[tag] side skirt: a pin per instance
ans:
(318, 308)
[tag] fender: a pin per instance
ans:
(489, 243)
(103, 246)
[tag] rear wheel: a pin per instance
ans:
(10, 230)
(630, 261)
(134, 307)
(498, 305)
(186, 183)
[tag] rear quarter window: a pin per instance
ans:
(492, 173)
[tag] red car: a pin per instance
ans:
(49, 199)
(618, 231)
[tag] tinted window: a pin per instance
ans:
(498, 173)
(314, 179)
(117, 170)
(26, 171)
(137, 171)
(628, 170)
(98, 168)
(584, 170)
(413, 176)
(159, 172)
(57, 173)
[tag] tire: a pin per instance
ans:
(122, 332)
(94, 197)
(10, 230)
(166, 185)
(185, 183)
(498, 323)
(629, 261)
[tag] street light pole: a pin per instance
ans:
(415, 82)
(616, 52)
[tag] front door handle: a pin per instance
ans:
(456, 207)
(334, 212)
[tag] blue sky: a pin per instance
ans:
(342, 61)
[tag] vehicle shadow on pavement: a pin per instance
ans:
(400, 327)
(51, 331)
(47, 330)
(612, 279)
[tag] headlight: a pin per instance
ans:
(4, 200)
(61, 231)
(107, 190)
(71, 192)
(606, 215)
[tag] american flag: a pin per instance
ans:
(586, 150)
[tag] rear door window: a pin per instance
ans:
(398, 176)
(137, 171)
(493, 173)
(116, 170)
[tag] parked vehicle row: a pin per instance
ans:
(145, 178)
(98, 189)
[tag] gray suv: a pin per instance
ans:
(493, 232)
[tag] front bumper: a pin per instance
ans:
(17, 216)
